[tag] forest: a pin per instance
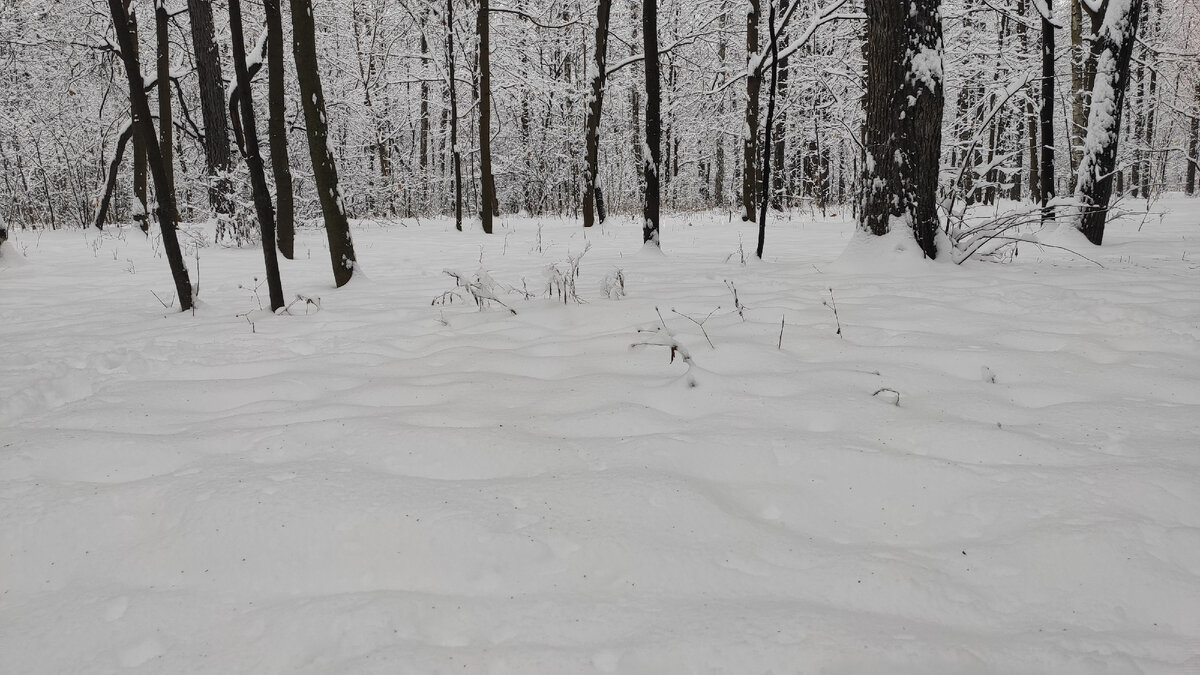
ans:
(580, 336)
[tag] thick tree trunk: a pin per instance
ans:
(453, 87)
(258, 179)
(144, 128)
(1114, 50)
(166, 129)
(488, 204)
(750, 130)
(595, 106)
(653, 163)
(217, 156)
(281, 165)
(337, 229)
(1046, 116)
(902, 138)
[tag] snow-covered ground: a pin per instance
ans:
(392, 486)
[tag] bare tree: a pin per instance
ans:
(143, 127)
(281, 165)
(258, 179)
(596, 71)
(217, 154)
(489, 205)
(903, 133)
(1114, 51)
(653, 163)
(312, 96)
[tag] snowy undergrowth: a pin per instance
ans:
(989, 469)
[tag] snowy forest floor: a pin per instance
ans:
(385, 485)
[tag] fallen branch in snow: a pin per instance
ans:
(481, 288)
(886, 390)
(667, 339)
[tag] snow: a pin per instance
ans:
(992, 469)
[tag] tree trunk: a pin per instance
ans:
(140, 192)
(767, 129)
(596, 105)
(650, 232)
(488, 204)
(719, 140)
(453, 86)
(281, 165)
(258, 179)
(1193, 160)
(337, 229)
(1079, 89)
(1114, 50)
(904, 75)
(1046, 116)
(779, 77)
(143, 127)
(166, 129)
(110, 180)
(217, 155)
(750, 131)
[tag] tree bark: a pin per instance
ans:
(1046, 117)
(596, 105)
(750, 131)
(902, 138)
(1079, 89)
(1114, 50)
(217, 156)
(653, 163)
(453, 86)
(140, 191)
(258, 179)
(325, 175)
(767, 129)
(488, 204)
(1189, 185)
(281, 165)
(144, 128)
(163, 66)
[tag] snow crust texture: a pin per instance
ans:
(390, 486)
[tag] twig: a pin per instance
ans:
(700, 323)
(832, 304)
(782, 321)
(890, 391)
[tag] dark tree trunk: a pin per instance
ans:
(600, 62)
(750, 132)
(903, 133)
(1189, 185)
(166, 129)
(1079, 88)
(1114, 50)
(337, 229)
(653, 163)
(258, 179)
(779, 90)
(217, 155)
(453, 86)
(1046, 119)
(767, 128)
(110, 180)
(488, 204)
(142, 216)
(143, 128)
(281, 165)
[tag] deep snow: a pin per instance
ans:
(390, 486)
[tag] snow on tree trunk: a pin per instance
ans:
(652, 152)
(903, 133)
(1114, 49)
(595, 107)
(325, 175)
